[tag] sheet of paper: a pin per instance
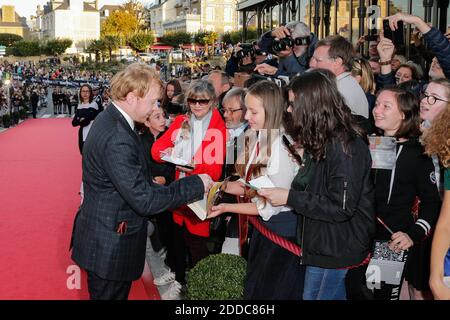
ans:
(177, 161)
(199, 208)
(262, 182)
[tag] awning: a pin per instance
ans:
(161, 47)
(189, 46)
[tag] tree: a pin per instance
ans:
(110, 43)
(140, 41)
(56, 47)
(9, 39)
(176, 38)
(26, 48)
(120, 24)
(206, 38)
(97, 47)
(234, 37)
(136, 8)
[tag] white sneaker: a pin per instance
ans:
(173, 292)
(165, 278)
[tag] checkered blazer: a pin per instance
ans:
(116, 190)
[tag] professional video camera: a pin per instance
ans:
(288, 42)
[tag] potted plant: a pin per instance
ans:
(6, 118)
(217, 277)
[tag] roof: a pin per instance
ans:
(18, 23)
(88, 7)
(110, 7)
(63, 6)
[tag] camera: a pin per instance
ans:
(282, 44)
(247, 50)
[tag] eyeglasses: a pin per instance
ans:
(202, 102)
(231, 110)
(431, 99)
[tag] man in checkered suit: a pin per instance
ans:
(110, 229)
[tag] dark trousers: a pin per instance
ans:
(102, 289)
(34, 108)
(187, 244)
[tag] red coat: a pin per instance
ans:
(209, 159)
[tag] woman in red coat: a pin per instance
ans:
(199, 138)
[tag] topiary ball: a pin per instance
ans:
(217, 277)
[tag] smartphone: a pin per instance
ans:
(292, 150)
(397, 36)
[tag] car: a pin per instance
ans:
(177, 56)
(148, 57)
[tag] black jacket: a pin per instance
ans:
(414, 177)
(337, 208)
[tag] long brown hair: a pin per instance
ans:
(273, 103)
(320, 114)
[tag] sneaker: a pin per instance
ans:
(165, 278)
(173, 292)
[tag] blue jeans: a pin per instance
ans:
(324, 284)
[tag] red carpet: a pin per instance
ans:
(40, 175)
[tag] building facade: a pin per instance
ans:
(350, 18)
(106, 11)
(11, 22)
(77, 20)
(193, 15)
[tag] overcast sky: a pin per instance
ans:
(25, 8)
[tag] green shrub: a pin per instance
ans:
(217, 277)
(6, 118)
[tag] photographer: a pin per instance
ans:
(244, 58)
(294, 45)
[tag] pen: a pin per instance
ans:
(384, 225)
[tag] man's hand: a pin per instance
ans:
(207, 181)
(159, 180)
(400, 241)
(276, 196)
(280, 32)
(264, 68)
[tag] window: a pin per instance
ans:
(106, 13)
(210, 14)
(227, 14)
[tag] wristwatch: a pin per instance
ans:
(384, 63)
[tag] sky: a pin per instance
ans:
(25, 8)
